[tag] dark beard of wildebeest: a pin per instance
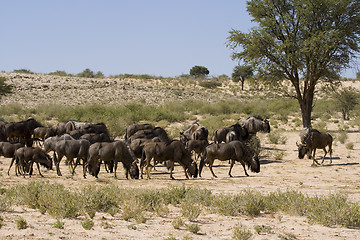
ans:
(25, 158)
(241, 133)
(234, 151)
(173, 151)
(255, 124)
(22, 131)
(116, 151)
(71, 149)
(312, 139)
(133, 128)
(8, 149)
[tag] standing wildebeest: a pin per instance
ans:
(312, 139)
(3, 136)
(194, 131)
(22, 131)
(26, 156)
(255, 124)
(96, 137)
(173, 151)
(198, 146)
(234, 151)
(59, 128)
(8, 149)
(71, 149)
(240, 132)
(116, 151)
(133, 128)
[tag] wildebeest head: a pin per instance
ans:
(193, 170)
(266, 126)
(303, 149)
(134, 171)
(45, 160)
(255, 164)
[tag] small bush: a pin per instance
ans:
(58, 224)
(279, 155)
(350, 146)
(1, 222)
(193, 227)
(209, 84)
(21, 224)
(259, 229)
(275, 137)
(240, 232)
(87, 224)
(342, 137)
(177, 223)
(190, 210)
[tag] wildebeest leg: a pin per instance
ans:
(231, 166)
(70, 161)
(330, 152)
(115, 167)
(58, 165)
(147, 167)
(313, 157)
(243, 164)
(172, 169)
(211, 162)
(323, 156)
(38, 166)
(11, 163)
(77, 163)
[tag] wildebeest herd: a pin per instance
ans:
(143, 144)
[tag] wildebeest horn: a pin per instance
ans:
(297, 143)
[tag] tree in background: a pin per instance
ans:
(4, 88)
(90, 74)
(358, 75)
(300, 41)
(240, 73)
(199, 71)
(346, 100)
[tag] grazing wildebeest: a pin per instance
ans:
(26, 156)
(194, 131)
(173, 151)
(240, 132)
(98, 128)
(255, 124)
(137, 145)
(133, 128)
(150, 134)
(77, 133)
(44, 132)
(22, 131)
(116, 151)
(8, 149)
(59, 128)
(234, 151)
(71, 149)
(312, 139)
(3, 136)
(96, 137)
(198, 146)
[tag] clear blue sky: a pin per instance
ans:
(157, 37)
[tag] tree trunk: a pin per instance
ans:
(306, 108)
(242, 85)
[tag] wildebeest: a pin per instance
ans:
(22, 131)
(96, 137)
(234, 151)
(312, 139)
(44, 132)
(150, 134)
(26, 156)
(116, 151)
(173, 151)
(71, 149)
(194, 131)
(255, 124)
(8, 149)
(3, 136)
(133, 128)
(137, 145)
(240, 132)
(198, 146)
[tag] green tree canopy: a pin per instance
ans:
(346, 100)
(240, 73)
(4, 87)
(199, 71)
(301, 41)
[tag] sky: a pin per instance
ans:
(157, 37)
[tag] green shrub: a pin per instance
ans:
(21, 224)
(58, 224)
(342, 137)
(240, 232)
(259, 229)
(349, 145)
(177, 223)
(190, 210)
(209, 84)
(275, 137)
(1, 222)
(193, 227)
(87, 224)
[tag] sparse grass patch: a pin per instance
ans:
(177, 223)
(193, 227)
(349, 146)
(58, 224)
(190, 210)
(259, 229)
(279, 155)
(240, 232)
(275, 137)
(342, 137)
(1, 222)
(87, 224)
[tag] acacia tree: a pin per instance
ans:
(240, 73)
(301, 41)
(199, 71)
(5, 88)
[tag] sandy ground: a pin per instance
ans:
(288, 173)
